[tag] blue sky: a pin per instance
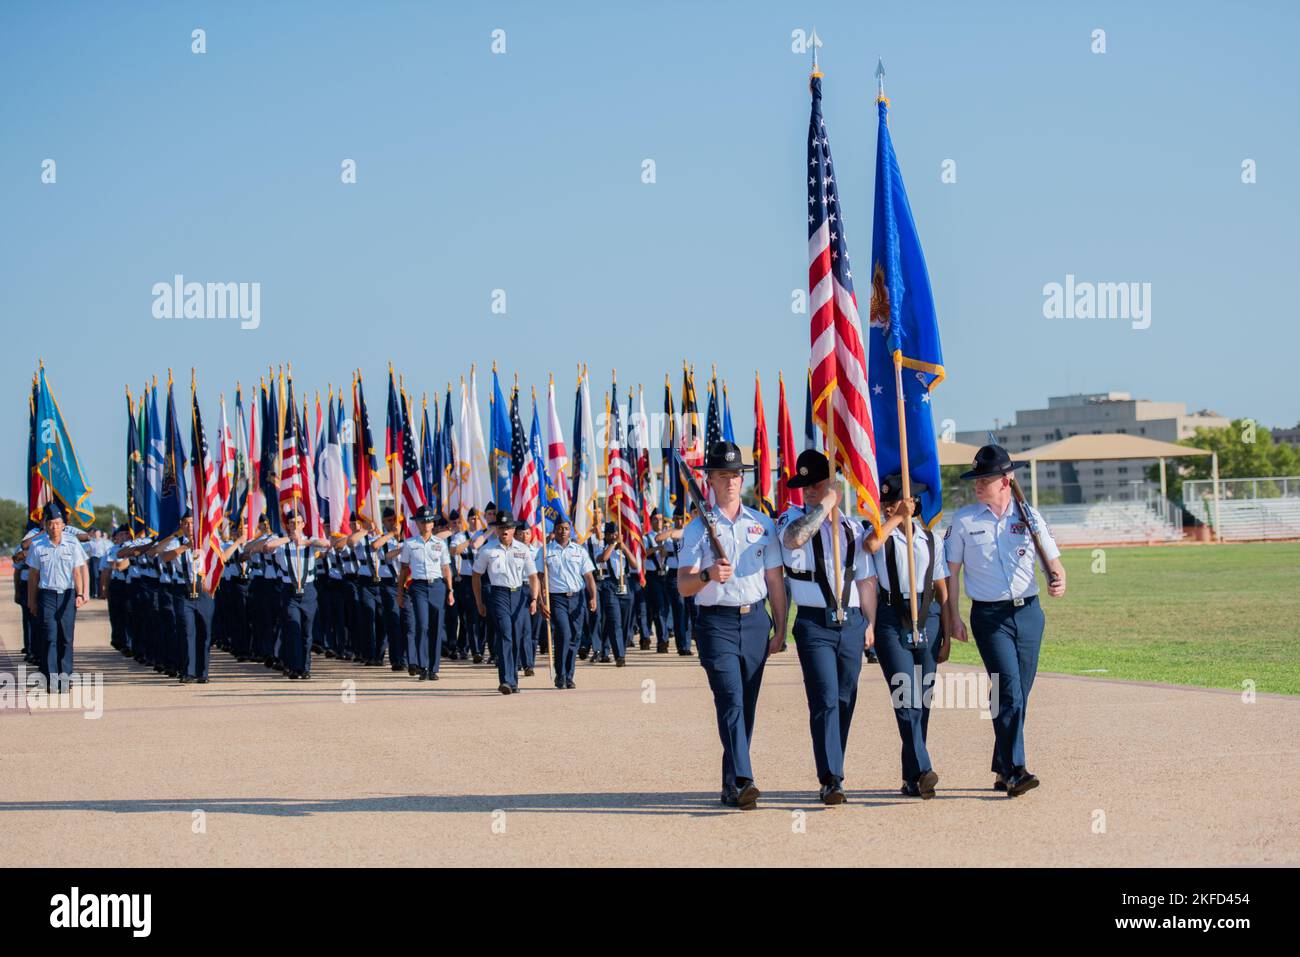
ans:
(522, 172)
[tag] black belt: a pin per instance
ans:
(1008, 603)
(509, 588)
(564, 594)
(57, 591)
(730, 609)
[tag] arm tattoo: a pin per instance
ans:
(802, 528)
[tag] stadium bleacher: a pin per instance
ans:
(1251, 519)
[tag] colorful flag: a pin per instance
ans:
(839, 362)
(393, 445)
(430, 468)
(175, 498)
(904, 331)
(363, 456)
(290, 487)
(478, 473)
(785, 457)
(242, 479)
(809, 427)
(334, 480)
(207, 497)
(270, 466)
(728, 432)
(501, 437)
(134, 472)
(412, 485)
(38, 490)
(557, 456)
(525, 491)
(620, 487)
(670, 487)
(153, 452)
(585, 478)
(762, 455)
(553, 509)
(450, 464)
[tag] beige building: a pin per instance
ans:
(1096, 414)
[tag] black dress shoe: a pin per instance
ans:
(604, 659)
(304, 675)
(1020, 782)
(329, 654)
(569, 685)
(433, 676)
(926, 782)
(411, 670)
(421, 674)
(687, 653)
(645, 644)
(478, 659)
(528, 672)
(999, 783)
(832, 794)
(661, 648)
(619, 662)
(872, 657)
(910, 790)
(505, 689)
(185, 679)
(730, 797)
(202, 681)
(582, 653)
(748, 796)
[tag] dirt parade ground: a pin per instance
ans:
(364, 767)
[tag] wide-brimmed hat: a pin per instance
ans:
(724, 456)
(810, 468)
(891, 488)
(992, 460)
(424, 514)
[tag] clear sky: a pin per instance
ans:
(522, 172)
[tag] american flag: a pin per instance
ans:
(621, 489)
(207, 525)
(525, 491)
(412, 487)
(839, 367)
(290, 476)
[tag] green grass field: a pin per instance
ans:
(1207, 615)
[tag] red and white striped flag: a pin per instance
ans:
(290, 476)
(621, 489)
(207, 494)
(557, 456)
(839, 365)
(525, 488)
(412, 487)
(226, 478)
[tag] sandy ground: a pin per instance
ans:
(253, 769)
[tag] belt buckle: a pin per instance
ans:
(835, 617)
(744, 609)
(1017, 602)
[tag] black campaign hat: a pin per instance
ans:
(810, 468)
(992, 460)
(424, 514)
(891, 488)
(724, 456)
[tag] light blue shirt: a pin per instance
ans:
(55, 563)
(180, 570)
(295, 562)
(921, 551)
(996, 554)
(507, 567)
(751, 547)
(566, 568)
(808, 594)
(389, 556)
(425, 560)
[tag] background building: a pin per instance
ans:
(1096, 414)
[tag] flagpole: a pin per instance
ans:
(907, 497)
(545, 597)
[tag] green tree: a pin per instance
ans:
(1245, 451)
(13, 522)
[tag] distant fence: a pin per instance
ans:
(1248, 508)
